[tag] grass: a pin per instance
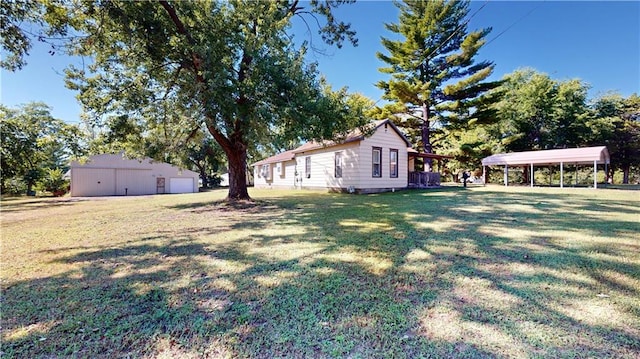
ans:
(477, 272)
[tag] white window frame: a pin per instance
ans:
(393, 164)
(264, 171)
(376, 160)
(337, 170)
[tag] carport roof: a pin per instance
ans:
(585, 155)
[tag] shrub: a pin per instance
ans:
(53, 181)
(15, 186)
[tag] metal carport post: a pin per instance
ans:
(531, 174)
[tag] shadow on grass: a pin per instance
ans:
(21, 204)
(409, 274)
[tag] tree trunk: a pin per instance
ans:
(625, 174)
(203, 176)
(236, 151)
(426, 142)
(30, 187)
(238, 174)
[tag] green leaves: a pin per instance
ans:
(540, 113)
(616, 123)
(33, 141)
(229, 67)
(13, 37)
(433, 70)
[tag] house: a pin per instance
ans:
(115, 175)
(224, 179)
(378, 161)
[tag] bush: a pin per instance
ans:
(15, 186)
(53, 181)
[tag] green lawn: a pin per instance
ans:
(478, 272)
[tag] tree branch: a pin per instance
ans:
(197, 62)
(195, 58)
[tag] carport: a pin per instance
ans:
(575, 156)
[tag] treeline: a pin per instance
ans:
(37, 148)
(536, 112)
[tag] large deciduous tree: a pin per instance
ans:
(538, 113)
(33, 141)
(616, 124)
(231, 65)
(433, 71)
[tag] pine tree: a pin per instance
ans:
(433, 72)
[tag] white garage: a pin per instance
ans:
(116, 175)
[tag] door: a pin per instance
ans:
(134, 182)
(160, 185)
(181, 185)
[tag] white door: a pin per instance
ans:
(181, 185)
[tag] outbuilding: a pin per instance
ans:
(116, 175)
(560, 157)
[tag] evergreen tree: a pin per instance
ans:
(435, 82)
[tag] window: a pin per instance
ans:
(338, 165)
(393, 163)
(307, 167)
(265, 171)
(377, 162)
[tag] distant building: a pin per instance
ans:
(115, 175)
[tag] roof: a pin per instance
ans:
(585, 155)
(120, 161)
(357, 134)
(353, 136)
(280, 157)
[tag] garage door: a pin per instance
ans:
(93, 182)
(181, 185)
(131, 182)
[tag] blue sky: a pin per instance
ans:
(597, 42)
